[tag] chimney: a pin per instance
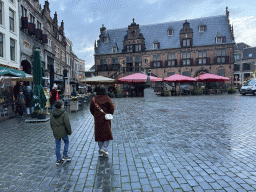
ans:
(102, 29)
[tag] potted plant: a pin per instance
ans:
(198, 90)
(166, 92)
(231, 90)
(41, 115)
(119, 93)
(34, 114)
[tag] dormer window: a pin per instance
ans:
(220, 39)
(114, 49)
(202, 28)
(156, 44)
(170, 31)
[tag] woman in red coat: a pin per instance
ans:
(103, 132)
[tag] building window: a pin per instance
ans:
(12, 49)
(218, 40)
(156, 61)
(186, 42)
(237, 57)
(202, 57)
(1, 13)
(221, 72)
(138, 47)
(171, 59)
(236, 67)
(156, 45)
(103, 61)
(49, 42)
(23, 11)
(246, 66)
(170, 32)
(221, 56)
(129, 48)
(57, 50)
(186, 58)
(186, 73)
(115, 60)
(1, 45)
(38, 26)
(201, 28)
(247, 76)
(32, 18)
(11, 20)
(63, 56)
(114, 49)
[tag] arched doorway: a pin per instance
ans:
(25, 66)
(201, 71)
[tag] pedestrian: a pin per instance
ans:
(54, 94)
(61, 128)
(47, 95)
(21, 101)
(29, 100)
(102, 131)
(23, 87)
(16, 90)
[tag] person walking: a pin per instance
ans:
(29, 100)
(21, 101)
(55, 94)
(102, 131)
(61, 128)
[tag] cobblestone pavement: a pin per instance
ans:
(186, 143)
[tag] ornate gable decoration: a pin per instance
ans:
(134, 40)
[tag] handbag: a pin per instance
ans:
(107, 116)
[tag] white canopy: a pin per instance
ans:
(99, 79)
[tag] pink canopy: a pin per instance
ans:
(211, 78)
(137, 78)
(179, 78)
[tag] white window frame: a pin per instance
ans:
(114, 49)
(201, 29)
(57, 51)
(14, 14)
(218, 41)
(3, 46)
(38, 25)
(24, 12)
(2, 14)
(63, 56)
(15, 48)
(168, 32)
(49, 42)
(31, 18)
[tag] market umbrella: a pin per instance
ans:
(179, 79)
(208, 77)
(138, 78)
(38, 97)
(99, 79)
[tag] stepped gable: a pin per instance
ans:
(214, 25)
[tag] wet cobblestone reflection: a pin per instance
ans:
(191, 143)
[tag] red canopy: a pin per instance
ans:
(138, 78)
(179, 78)
(211, 77)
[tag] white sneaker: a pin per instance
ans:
(104, 152)
(101, 155)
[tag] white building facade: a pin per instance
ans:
(9, 34)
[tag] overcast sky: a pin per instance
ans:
(84, 18)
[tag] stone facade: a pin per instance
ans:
(9, 31)
(191, 55)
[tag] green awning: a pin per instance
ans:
(11, 72)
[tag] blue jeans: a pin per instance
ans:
(58, 144)
(103, 145)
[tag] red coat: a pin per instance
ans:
(102, 129)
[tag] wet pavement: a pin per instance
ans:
(185, 143)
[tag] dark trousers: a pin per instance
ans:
(20, 110)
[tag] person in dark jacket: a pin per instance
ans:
(103, 132)
(61, 128)
(29, 100)
(20, 103)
